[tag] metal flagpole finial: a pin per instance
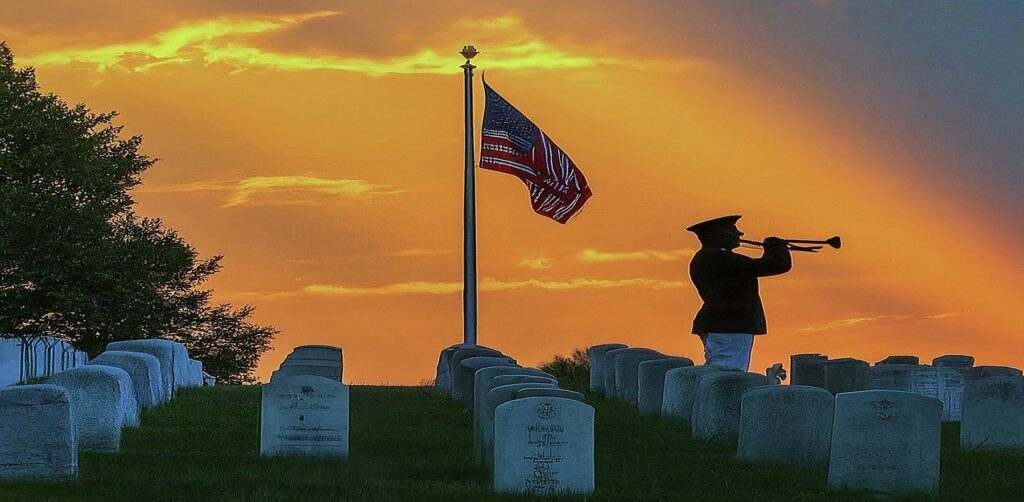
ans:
(469, 52)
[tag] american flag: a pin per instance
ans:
(511, 144)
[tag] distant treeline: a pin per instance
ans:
(77, 263)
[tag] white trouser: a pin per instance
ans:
(728, 349)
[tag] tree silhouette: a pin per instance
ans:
(76, 262)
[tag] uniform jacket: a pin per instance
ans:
(727, 282)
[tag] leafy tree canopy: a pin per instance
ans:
(76, 262)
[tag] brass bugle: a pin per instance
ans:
(834, 243)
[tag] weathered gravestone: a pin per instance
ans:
(486, 379)
(442, 376)
(297, 366)
(456, 359)
(651, 382)
(943, 383)
(993, 414)
(978, 372)
(538, 392)
(37, 439)
(900, 360)
(325, 352)
(786, 424)
(716, 409)
(196, 372)
(885, 441)
(627, 374)
(144, 371)
(464, 376)
(808, 369)
(611, 383)
(99, 404)
(172, 356)
(496, 397)
(681, 389)
(953, 361)
(845, 375)
(544, 446)
(595, 355)
(304, 415)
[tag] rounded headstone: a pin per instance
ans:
(611, 384)
(172, 355)
(328, 352)
(885, 441)
(990, 371)
(464, 376)
(786, 424)
(465, 353)
(716, 408)
(681, 389)
(846, 375)
(651, 382)
(627, 374)
(442, 375)
(544, 446)
(313, 367)
(993, 414)
(304, 415)
(99, 399)
(595, 355)
(489, 380)
(142, 368)
(37, 439)
(496, 397)
(808, 369)
(954, 361)
(900, 360)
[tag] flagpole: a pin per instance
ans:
(469, 212)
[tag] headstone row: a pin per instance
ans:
(304, 409)
(43, 427)
(536, 438)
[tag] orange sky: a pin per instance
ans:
(318, 146)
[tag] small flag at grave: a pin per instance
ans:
(511, 143)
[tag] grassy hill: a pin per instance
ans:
(410, 443)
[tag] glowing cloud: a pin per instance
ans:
(248, 188)
(227, 40)
(537, 263)
(843, 323)
(595, 256)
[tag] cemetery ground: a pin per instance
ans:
(413, 443)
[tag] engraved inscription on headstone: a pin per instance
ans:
(304, 416)
(544, 446)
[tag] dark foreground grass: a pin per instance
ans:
(410, 443)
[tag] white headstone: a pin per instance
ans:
(496, 397)
(544, 446)
(627, 378)
(990, 371)
(651, 382)
(442, 377)
(483, 382)
(142, 368)
(681, 390)
(304, 415)
(464, 376)
(716, 408)
(172, 357)
(456, 359)
(786, 424)
(195, 373)
(943, 383)
(97, 397)
(296, 366)
(885, 441)
(595, 355)
(993, 414)
(611, 383)
(37, 439)
(538, 392)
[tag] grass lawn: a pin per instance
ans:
(410, 443)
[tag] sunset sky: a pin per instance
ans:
(318, 145)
